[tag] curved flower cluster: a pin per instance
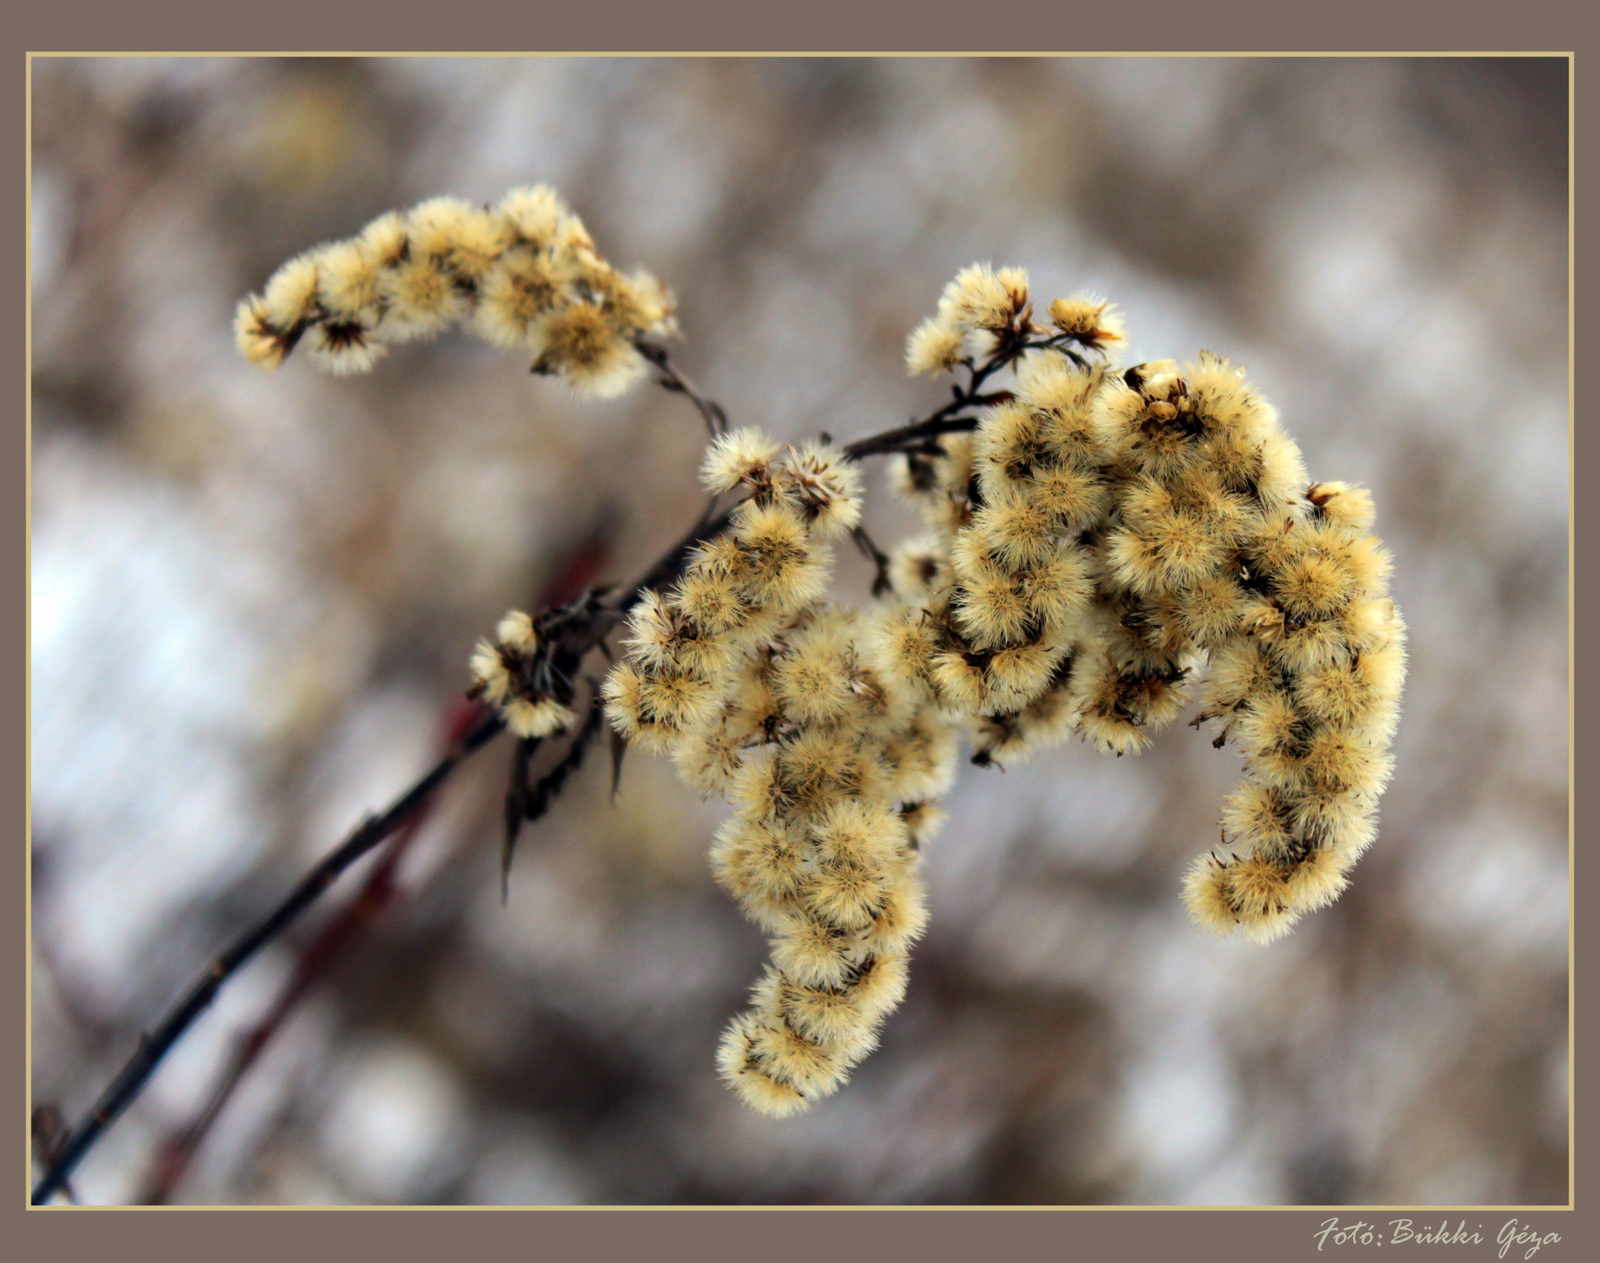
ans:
(1215, 549)
(1308, 685)
(1102, 539)
(524, 273)
(760, 692)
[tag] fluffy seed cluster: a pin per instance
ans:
(1098, 539)
(515, 672)
(995, 598)
(1307, 684)
(760, 692)
(982, 305)
(975, 308)
(521, 274)
(1106, 537)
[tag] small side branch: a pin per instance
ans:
(528, 802)
(881, 586)
(516, 811)
(954, 417)
(672, 379)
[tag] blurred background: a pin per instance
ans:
(254, 596)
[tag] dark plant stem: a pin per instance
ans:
(672, 379)
(590, 624)
(881, 586)
(173, 1159)
(949, 419)
(133, 1076)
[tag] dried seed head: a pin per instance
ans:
(522, 274)
(739, 457)
(290, 299)
(580, 343)
(542, 717)
(934, 346)
(1089, 322)
(980, 298)
(260, 341)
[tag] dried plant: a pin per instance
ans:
(1098, 539)
(524, 273)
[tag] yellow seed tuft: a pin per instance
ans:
(1091, 323)
(935, 346)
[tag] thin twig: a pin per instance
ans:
(673, 379)
(528, 801)
(881, 585)
(552, 782)
(949, 419)
(49, 1131)
(175, 1156)
(153, 1047)
(516, 808)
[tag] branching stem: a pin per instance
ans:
(591, 622)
